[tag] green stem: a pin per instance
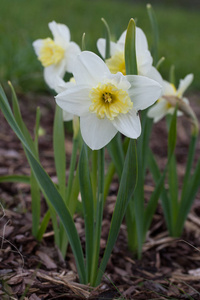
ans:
(108, 179)
(94, 178)
(72, 168)
(99, 216)
(185, 201)
(190, 159)
(131, 227)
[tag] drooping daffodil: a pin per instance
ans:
(166, 104)
(106, 102)
(56, 55)
(116, 63)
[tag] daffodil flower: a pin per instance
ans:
(56, 55)
(116, 63)
(164, 106)
(106, 103)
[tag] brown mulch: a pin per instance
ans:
(169, 269)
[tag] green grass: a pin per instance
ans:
(22, 22)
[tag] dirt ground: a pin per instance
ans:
(169, 269)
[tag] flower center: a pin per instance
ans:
(116, 63)
(107, 100)
(50, 53)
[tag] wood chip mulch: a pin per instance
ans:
(169, 269)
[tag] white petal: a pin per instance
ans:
(89, 69)
(122, 38)
(144, 91)
(141, 41)
(67, 116)
(158, 111)
(144, 62)
(96, 133)
(37, 45)
(168, 88)
(60, 33)
(51, 72)
(155, 75)
(70, 55)
(101, 46)
(143, 55)
(75, 100)
(60, 85)
(116, 47)
(128, 124)
(184, 84)
(119, 80)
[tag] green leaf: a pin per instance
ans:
(59, 150)
(35, 190)
(187, 200)
(116, 152)
(172, 77)
(99, 216)
(5, 107)
(173, 188)
(73, 200)
(172, 134)
(49, 190)
(142, 153)
(108, 179)
(72, 168)
(130, 50)
(88, 209)
(83, 47)
(164, 195)
(159, 63)
(153, 202)
(15, 178)
(43, 225)
(107, 37)
(154, 26)
(131, 227)
(51, 193)
(35, 204)
(126, 189)
(190, 158)
(19, 120)
(159, 179)
(36, 129)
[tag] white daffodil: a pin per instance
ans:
(163, 105)
(116, 63)
(106, 103)
(56, 55)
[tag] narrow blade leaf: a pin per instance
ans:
(130, 50)
(126, 189)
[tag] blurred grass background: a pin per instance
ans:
(23, 21)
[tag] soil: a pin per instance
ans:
(169, 268)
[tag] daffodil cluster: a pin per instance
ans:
(102, 95)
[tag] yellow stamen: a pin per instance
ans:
(50, 53)
(107, 100)
(116, 63)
